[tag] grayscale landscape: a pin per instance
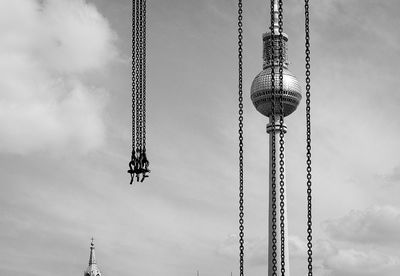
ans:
(65, 139)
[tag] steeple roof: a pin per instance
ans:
(92, 269)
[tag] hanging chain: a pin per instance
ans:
(273, 145)
(140, 103)
(144, 81)
(138, 166)
(133, 76)
(138, 72)
(241, 193)
(308, 119)
(281, 143)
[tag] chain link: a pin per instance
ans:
(308, 119)
(273, 145)
(241, 181)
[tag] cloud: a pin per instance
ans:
(362, 243)
(375, 225)
(355, 262)
(46, 47)
(329, 259)
(332, 261)
(393, 177)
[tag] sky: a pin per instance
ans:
(65, 139)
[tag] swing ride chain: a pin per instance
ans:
(241, 194)
(145, 162)
(138, 73)
(281, 142)
(133, 77)
(308, 119)
(273, 145)
(140, 91)
(138, 166)
(144, 80)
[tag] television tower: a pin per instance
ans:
(267, 101)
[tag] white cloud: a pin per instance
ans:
(362, 243)
(45, 47)
(393, 177)
(329, 259)
(354, 262)
(78, 37)
(332, 261)
(377, 225)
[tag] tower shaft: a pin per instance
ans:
(273, 129)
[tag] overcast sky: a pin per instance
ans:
(65, 139)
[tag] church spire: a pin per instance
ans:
(92, 258)
(92, 269)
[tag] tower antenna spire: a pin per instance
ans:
(276, 17)
(92, 257)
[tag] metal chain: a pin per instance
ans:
(308, 119)
(241, 181)
(140, 102)
(133, 76)
(273, 145)
(281, 142)
(138, 70)
(144, 80)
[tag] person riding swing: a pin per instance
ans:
(144, 165)
(139, 165)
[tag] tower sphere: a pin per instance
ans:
(261, 92)
(261, 88)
